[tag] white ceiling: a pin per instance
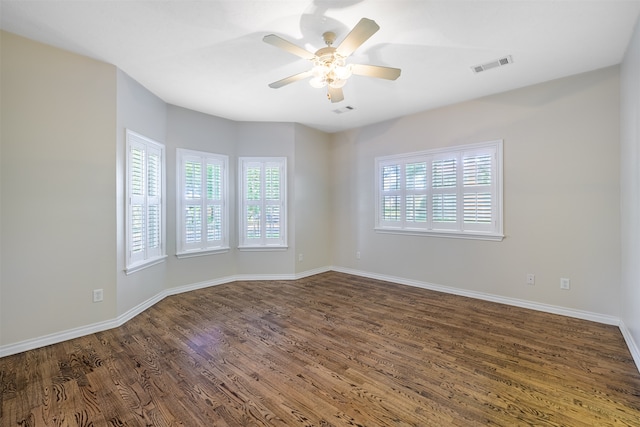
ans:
(209, 55)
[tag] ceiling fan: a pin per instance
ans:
(329, 66)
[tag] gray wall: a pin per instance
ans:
(269, 139)
(630, 189)
(561, 195)
(196, 131)
(58, 195)
(313, 202)
(62, 189)
(142, 112)
(62, 212)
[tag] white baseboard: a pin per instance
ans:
(569, 312)
(30, 344)
(7, 350)
(313, 272)
(296, 276)
(633, 346)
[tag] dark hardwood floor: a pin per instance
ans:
(328, 350)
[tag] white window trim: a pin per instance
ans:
(202, 252)
(131, 265)
(272, 248)
(182, 251)
(142, 265)
(495, 234)
(265, 246)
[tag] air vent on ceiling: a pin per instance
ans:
(493, 64)
(344, 109)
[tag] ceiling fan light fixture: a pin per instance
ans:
(330, 69)
(343, 72)
(320, 69)
(318, 82)
(337, 83)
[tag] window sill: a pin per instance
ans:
(445, 234)
(201, 252)
(262, 248)
(144, 264)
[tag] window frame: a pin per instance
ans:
(138, 260)
(491, 230)
(184, 249)
(264, 243)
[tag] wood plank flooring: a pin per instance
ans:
(328, 350)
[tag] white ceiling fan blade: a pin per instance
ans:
(376, 71)
(364, 29)
(335, 94)
(290, 79)
(277, 41)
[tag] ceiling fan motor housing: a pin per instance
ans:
(329, 37)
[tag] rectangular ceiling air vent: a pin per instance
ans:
(344, 109)
(493, 64)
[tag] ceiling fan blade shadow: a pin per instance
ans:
(278, 41)
(376, 71)
(312, 26)
(335, 94)
(290, 79)
(364, 29)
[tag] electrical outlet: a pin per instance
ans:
(531, 279)
(98, 295)
(358, 255)
(300, 257)
(565, 284)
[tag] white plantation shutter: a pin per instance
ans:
(202, 202)
(263, 202)
(478, 190)
(216, 234)
(252, 208)
(416, 200)
(154, 191)
(137, 208)
(145, 211)
(390, 181)
(403, 201)
(272, 201)
(455, 192)
(444, 199)
(192, 201)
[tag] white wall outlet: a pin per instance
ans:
(98, 295)
(358, 255)
(565, 283)
(300, 257)
(531, 279)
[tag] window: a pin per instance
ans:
(202, 209)
(263, 207)
(145, 202)
(455, 192)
